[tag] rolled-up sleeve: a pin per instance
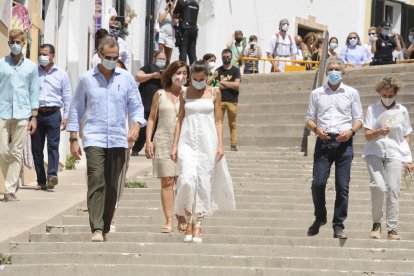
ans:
(77, 107)
(357, 114)
(311, 112)
(66, 95)
(135, 106)
(34, 90)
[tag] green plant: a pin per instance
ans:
(5, 260)
(133, 184)
(70, 162)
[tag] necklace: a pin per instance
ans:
(174, 102)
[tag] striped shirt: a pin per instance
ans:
(334, 111)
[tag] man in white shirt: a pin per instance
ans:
(281, 46)
(334, 114)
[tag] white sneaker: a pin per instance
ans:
(97, 236)
(112, 228)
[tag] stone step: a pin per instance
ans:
(324, 239)
(217, 260)
(215, 221)
(162, 270)
(375, 253)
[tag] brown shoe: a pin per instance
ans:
(52, 182)
(376, 231)
(393, 235)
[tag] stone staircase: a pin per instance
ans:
(266, 235)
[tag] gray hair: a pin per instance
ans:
(335, 60)
(107, 41)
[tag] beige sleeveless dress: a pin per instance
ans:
(163, 166)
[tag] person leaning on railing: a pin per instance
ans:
(410, 49)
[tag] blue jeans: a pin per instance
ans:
(48, 126)
(326, 153)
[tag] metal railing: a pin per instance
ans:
(294, 66)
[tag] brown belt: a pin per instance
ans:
(46, 109)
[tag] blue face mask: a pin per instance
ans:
(16, 49)
(334, 77)
(160, 63)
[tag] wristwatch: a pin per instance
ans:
(73, 139)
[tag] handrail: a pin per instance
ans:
(405, 61)
(279, 60)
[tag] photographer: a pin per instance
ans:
(149, 78)
(384, 44)
(186, 33)
(254, 51)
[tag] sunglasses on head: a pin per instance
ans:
(111, 58)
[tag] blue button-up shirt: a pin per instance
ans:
(102, 106)
(55, 89)
(357, 55)
(19, 88)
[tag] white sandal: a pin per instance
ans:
(198, 225)
(189, 237)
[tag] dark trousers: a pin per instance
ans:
(140, 142)
(104, 167)
(326, 153)
(188, 44)
(48, 126)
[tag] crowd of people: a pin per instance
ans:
(177, 112)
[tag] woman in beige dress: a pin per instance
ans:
(164, 110)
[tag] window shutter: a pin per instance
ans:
(377, 13)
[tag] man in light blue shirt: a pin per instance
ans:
(103, 98)
(19, 100)
(55, 93)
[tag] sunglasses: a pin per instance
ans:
(353, 38)
(372, 33)
(111, 58)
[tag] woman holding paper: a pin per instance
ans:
(387, 151)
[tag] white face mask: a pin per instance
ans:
(198, 84)
(285, 27)
(353, 42)
(109, 64)
(179, 80)
(16, 49)
(411, 38)
(387, 101)
(44, 60)
(211, 65)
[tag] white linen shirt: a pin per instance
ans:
(334, 111)
(393, 145)
(286, 47)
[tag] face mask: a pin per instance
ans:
(109, 64)
(285, 27)
(371, 37)
(238, 39)
(410, 38)
(385, 32)
(160, 63)
(252, 43)
(211, 65)
(226, 60)
(333, 46)
(179, 80)
(334, 77)
(114, 32)
(387, 101)
(16, 49)
(44, 60)
(353, 42)
(198, 84)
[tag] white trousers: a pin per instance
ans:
(385, 180)
(13, 135)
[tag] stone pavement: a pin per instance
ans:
(35, 209)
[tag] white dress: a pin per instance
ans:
(203, 185)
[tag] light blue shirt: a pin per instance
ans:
(356, 56)
(102, 106)
(55, 89)
(19, 88)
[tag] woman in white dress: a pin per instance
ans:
(167, 33)
(204, 183)
(387, 150)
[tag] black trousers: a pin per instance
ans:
(188, 43)
(140, 142)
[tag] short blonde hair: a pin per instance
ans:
(388, 82)
(16, 33)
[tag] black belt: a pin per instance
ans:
(46, 109)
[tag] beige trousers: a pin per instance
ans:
(13, 135)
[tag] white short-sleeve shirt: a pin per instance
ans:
(393, 145)
(286, 47)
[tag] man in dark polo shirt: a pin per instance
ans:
(383, 45)
(229, 83)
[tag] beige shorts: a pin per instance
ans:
(167, 40)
